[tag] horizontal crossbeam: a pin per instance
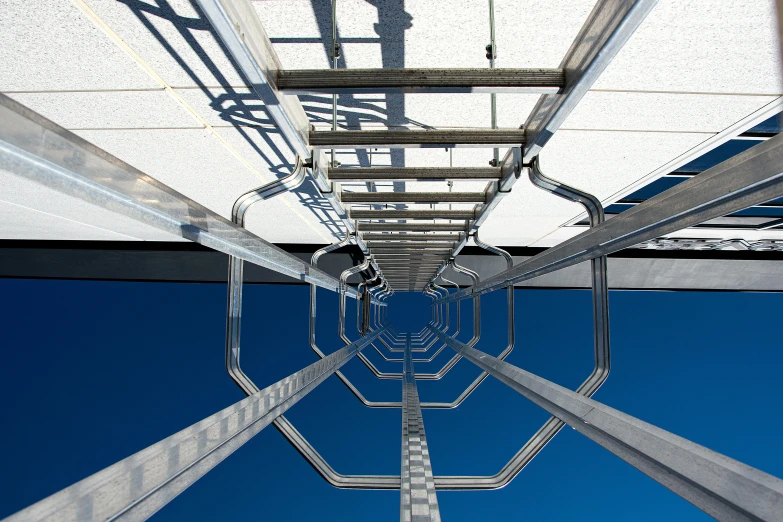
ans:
(411, 214)
(353, 81)
(427, 138)
(363, 174)
(413, 197)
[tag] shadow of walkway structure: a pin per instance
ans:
(408, 225)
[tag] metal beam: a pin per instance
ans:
(720, 486)
(351, 81)
(608, 27)
(412, 214)
(610, 24)
(415, 246)
(411, 237)
(140, 485)
(39, 150)
(237, 26)
(413, 197)
(427, 138)
(411, 227)
(747, 179)
(363, 174)
(418, 500)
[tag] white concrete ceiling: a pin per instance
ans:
(148, 82)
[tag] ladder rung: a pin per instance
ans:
(416, 252)
(426, 138)
(412, 227)
(362, 174)
(347, 81)
(413, 197)
(411, 246)
(411, 237)
(411, 214)
(406, 257)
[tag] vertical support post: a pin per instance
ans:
(418, 501)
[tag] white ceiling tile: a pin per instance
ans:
(109, 110)
(576, 158)
(701, 46)
(579, 158)
(173, 39)
(302, 55)
(533, 33)
(662, 111)
(293, 18)
(51, 45)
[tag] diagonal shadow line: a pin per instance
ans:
(242, 110)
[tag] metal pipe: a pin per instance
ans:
(359, 395)
(511, 341)
(749, 178)
(237, 26)
(335, 55)
(36, 149)
(236, 272)
(601, 345)
(341, 320)
(492, 55)
(140, 485)
(718, 485)
(476, 327)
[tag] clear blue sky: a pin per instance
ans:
(95, 371)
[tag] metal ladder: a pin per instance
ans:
(401, 253)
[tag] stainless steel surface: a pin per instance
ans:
(411, 214)
(341, 321)
(418, 501)
(747, 179)
(720, 486)
(37, 149)
(411, 237)
(427, 138)
(601, 367)
(237, 26)
(510, 171)
(362, 174)
(138, 486)
(413, 197)
(351, 81)
(411, 227)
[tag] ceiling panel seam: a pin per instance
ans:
(103, 26)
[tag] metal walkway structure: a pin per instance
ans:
(404, 253)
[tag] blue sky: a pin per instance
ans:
(95, 371)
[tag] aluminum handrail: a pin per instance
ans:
(364, 265)
(600, 372)
(511, 333)
(747, 179)
(313, 345)
(722, 487)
